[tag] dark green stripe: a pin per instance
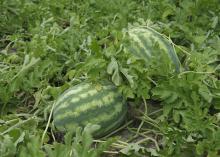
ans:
(115, 122)
(172, 56)
(75, 87)
(146, 44)
(124, 109)
(91, 87)
(142, 53)
(81, 102)
(171, 52)
(139, 51)
(133, 51)
(72, 95)
(89, 114)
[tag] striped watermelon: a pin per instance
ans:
(88, 103)
(142, 40)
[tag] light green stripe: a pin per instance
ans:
(135, 37)
(106, 116)
(163, 43)
(167, 46)
(76, 99)
(114, 124)
(71, 92)
(105, 101)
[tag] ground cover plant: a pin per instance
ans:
(48, 46)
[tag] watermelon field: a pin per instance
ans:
(109, 78)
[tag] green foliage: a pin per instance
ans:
(79, 145)
(47, 46)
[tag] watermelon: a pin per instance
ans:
(98, 104)
(142, 40)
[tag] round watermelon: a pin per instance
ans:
(86, 103)
(142, 41)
